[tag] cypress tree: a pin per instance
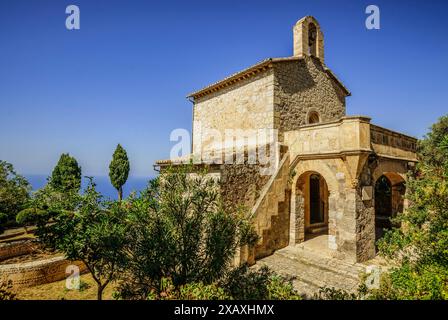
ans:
(119, 170)
(66, 176)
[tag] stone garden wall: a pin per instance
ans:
(17, 248)
(34, 273)
(28, 274)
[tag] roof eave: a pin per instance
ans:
(236, 77)
(252, 70)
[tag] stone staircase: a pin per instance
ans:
(271, 212)
(310, 269)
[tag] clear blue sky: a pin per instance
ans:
(123, 77)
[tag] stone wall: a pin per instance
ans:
(17, 248)
(302, 86)
(272, 211)
(37, 272)
(280, 97)
(241, 184)
(247, 104)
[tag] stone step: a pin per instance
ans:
(303, 254)
(316, 230)
(310, 272)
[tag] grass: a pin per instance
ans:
(58, 291)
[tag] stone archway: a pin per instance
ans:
(328, 190)
(389, 201)
(312, 190)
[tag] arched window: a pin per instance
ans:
(312, 39)
(313, 117)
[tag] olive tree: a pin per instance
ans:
(93, 232)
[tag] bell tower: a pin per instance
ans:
(308, 38)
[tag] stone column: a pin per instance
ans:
(332, 217)
(347, 226)
(365, 227)
(297, 219)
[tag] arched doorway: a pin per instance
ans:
(317, 204)
(389, 201)
(312, 202)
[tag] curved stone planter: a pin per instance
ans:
(17, 248)
(34, 273)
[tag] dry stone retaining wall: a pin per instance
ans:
(37, 272)
(17, 248)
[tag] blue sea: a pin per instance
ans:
(103, 184)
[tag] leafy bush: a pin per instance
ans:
(189, 291)
(14, 191)
(327, 293)
(66, 175)
(408, 282)
(200, 291)
(281, 289)
(5, 291)
(240, 284)
(178, 229)
(30, 216)
(3, 219)
(244, 283)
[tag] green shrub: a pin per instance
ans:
(407, 283)
(179, 229)
(14, 191)
(331, 293)
(240, 284)
(281, 289)
(200, 291)
(244, 283)
(5, 291)
(3, 219)
(30, 216)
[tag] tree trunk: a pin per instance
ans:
(120, 193)
(100, 293)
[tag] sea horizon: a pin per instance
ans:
(103, 185)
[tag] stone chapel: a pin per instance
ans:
(336, 176)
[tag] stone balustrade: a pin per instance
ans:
(347, 136)
(389, 143)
